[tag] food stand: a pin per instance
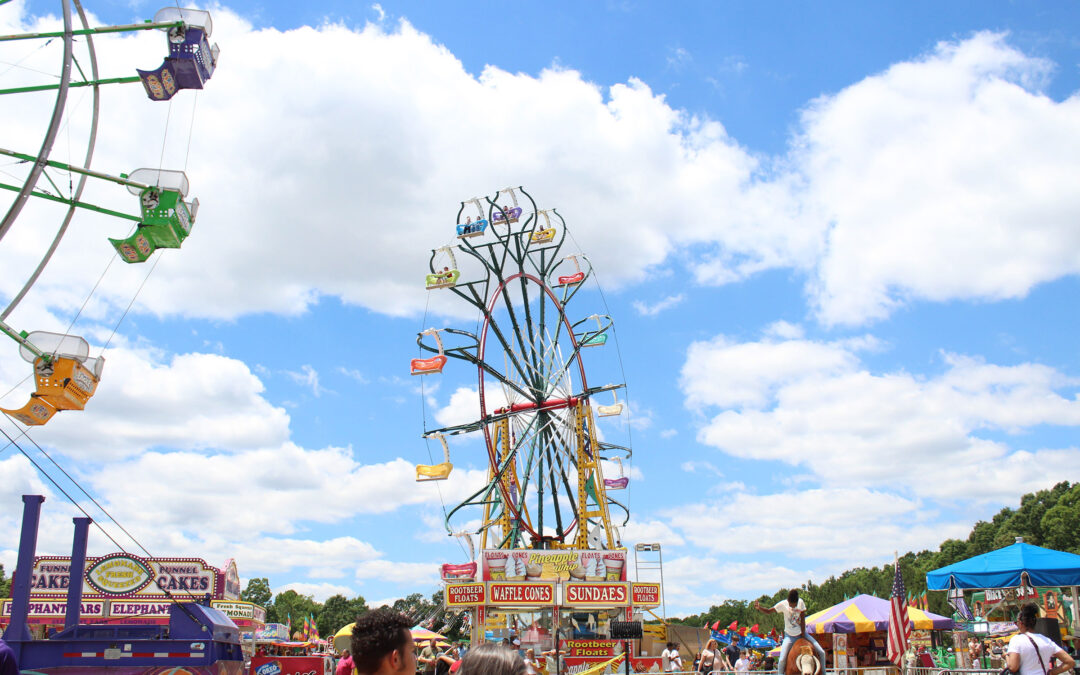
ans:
(858, 626)
(558, 602)
(133, 589)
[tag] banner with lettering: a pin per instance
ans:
(521, 594)
(553, 565)
(122, 575)
(597, 594)
(465, 595)
(645, 594)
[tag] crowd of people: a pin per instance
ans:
(382, 644)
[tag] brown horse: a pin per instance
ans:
(801, 659)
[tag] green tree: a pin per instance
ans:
(291, 606)
(337, 612)
(1061, 522)
(416, 606)
(5, 584)
(258, 591)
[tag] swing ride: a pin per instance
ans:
(537, 412)
(65, 376)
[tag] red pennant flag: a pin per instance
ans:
(754, 629)
(734, 625)
(716, 626)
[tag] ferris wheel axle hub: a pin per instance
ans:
(549, 404)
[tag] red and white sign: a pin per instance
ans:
(646, 594)
(464, 595)
(591, 648)
(596, 594)
(291, 665)
(501, 594)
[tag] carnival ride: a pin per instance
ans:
(546, 456)
(65, 374)
(199, 638)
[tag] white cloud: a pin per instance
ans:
(748, 372)
(942, 178)
(320, 592)
(648, 531)
(353, 374)
(308, 377)
(853, 525)
(189, 401)
(655, 308)
(814, 405)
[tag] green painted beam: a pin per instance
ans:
(76, 169)
(127, 28)
(89, 83)
(72, 202)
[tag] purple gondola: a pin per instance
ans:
(191, 60)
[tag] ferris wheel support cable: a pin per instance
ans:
(90, 145)
(50, 133)
(81, 509)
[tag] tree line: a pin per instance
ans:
(1048, 518)
(338, 611)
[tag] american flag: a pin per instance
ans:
(899, 628)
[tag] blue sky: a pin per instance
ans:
(838, 242)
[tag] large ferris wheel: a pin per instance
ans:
(537, 411)
(64, 374)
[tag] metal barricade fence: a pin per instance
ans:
(945, 670)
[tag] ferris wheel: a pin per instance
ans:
(545, 486)
(65, 375)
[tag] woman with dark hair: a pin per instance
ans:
(492, 659)
(1030, 653)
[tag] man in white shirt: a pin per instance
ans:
(670, 658)
(794, 611)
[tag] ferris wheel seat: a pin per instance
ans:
(597, 340)
(473, 229)
(190, 63)
(35, 413)
(609, 410)
(426, 472)
(166, 222)
(427, 366)
(571, 279)
(616, 483)
(443, 279)
(543, 236)
(65, 383)
(135, 249)
(512, 216)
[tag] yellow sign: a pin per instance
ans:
(119, 574)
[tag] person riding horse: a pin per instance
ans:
(795, 635)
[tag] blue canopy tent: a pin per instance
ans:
(1010, 567)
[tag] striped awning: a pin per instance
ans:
(867, 614)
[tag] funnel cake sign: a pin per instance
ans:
(122, 575)
(554, 565)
